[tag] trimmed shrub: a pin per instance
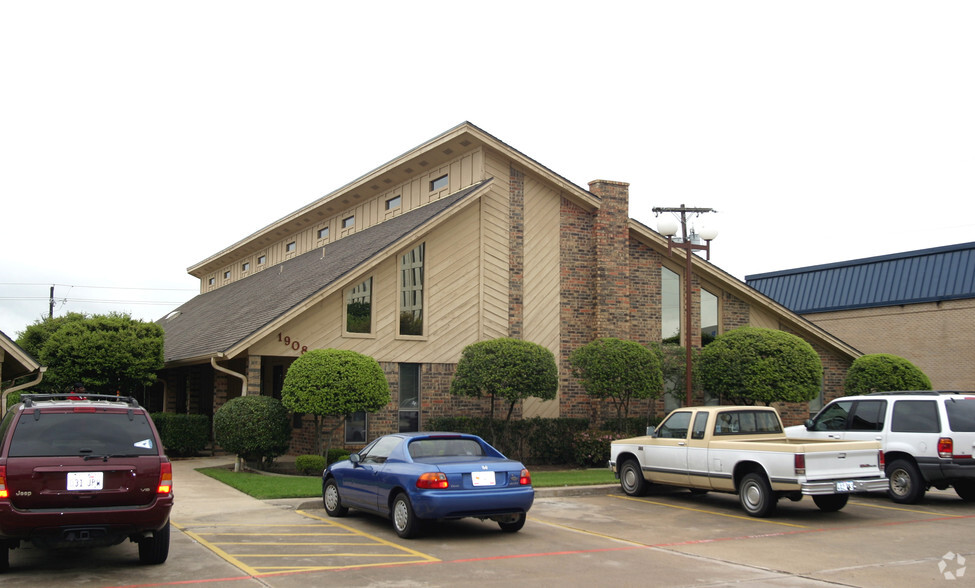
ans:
(536, 440)
(183, 435)
(310, 464)
(882, 372)
(337, 454)
(591, 448)
(253, 427)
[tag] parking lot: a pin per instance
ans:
(669, 537)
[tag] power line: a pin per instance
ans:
(47, 284)
(92, 300)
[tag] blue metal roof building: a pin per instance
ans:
(926, 275)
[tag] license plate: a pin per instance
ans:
(82, 481)
(846, 486)
(483, 478)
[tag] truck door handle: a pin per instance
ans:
(831, 436)
(681, 444)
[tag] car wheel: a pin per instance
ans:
(405, 522)
(965, 490)
(631, 478)
(154, 550)
(332, 500)
(906, 484)
(755, 495)
(513, 526)
(831, 502)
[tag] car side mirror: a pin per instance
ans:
(809, 424)
(355, 459)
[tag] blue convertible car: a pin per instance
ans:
(413, 477)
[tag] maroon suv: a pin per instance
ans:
(86, 472)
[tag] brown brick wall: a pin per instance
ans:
(934, 336)
(612, 237)
(577, 301)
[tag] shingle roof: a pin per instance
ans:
(926, 275)
(218, 320)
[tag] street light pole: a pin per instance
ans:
(668, 229)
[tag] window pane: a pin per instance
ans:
(915, 416)
(355, 427)
(833, 417)
(411, 292)
(709, 317)
(358, 308)
(961, 414)
(669, 306)
(869, 415)
(409, 397)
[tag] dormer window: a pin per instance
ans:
(245, 267)
(291, 247)
(262, 260)
(438, 183)
(211, 281)
(348, 222)
(226, 275)
(323, 233)
(394, 202)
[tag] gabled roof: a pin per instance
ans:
(228, 318)
(16, 361)
(925, 275)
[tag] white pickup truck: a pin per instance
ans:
(743, 450)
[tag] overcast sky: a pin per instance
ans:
(138, 138)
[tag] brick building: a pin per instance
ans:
(916, 304)
(459, 240)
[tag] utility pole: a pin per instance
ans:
(50, 312)
(669, 229)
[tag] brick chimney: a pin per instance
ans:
(612, 259)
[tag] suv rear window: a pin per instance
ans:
(961, 414)
(915, 416)
(97, 434)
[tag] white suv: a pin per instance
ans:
(928, 437)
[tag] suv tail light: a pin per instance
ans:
(165, 478)
(945, 447)
(882, 461)
(800, 464)
(4, 493)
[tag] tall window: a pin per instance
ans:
(409, 397)
(355, 427)
(411, 292)
(669, 307)
(358, 308)
(709, 317)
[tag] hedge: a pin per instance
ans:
(182, 435)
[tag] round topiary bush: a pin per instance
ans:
(882, 372)
(253, 427)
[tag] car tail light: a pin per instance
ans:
(525, 479)
(800, 464)
(3, 483)
(946, 447)
(433, 481)
(165, 478)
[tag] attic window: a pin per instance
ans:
(438, 183)
(323, 233)
(245, 267)
(226, 275)
(291, 247)
(262, 260)
(394, 202)
(211, 281)
(348, 222)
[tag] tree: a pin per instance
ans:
(618, 370)
(750, 365)
(673, 364)
(506, 369)
(107, 353)
(253, 427)
(334, 382)
(881, 372)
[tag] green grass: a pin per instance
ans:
(267, 487)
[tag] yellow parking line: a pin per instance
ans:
(399, 555)
(720, 514)
(902, 509)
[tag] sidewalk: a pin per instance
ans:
(199, 496)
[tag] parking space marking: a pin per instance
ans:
(331, 542)
(712, 512)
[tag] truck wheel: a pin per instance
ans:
(755, 495)
(332, 501)
(631, 478)
(831, 502)
(906, 483)
(965, 490)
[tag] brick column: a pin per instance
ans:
(253, 375)
(612, 259)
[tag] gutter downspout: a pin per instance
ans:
(36, 381)
(243, 392)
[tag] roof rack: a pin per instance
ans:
(917, 392)
(30, 399)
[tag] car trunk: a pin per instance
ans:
(481, 473)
